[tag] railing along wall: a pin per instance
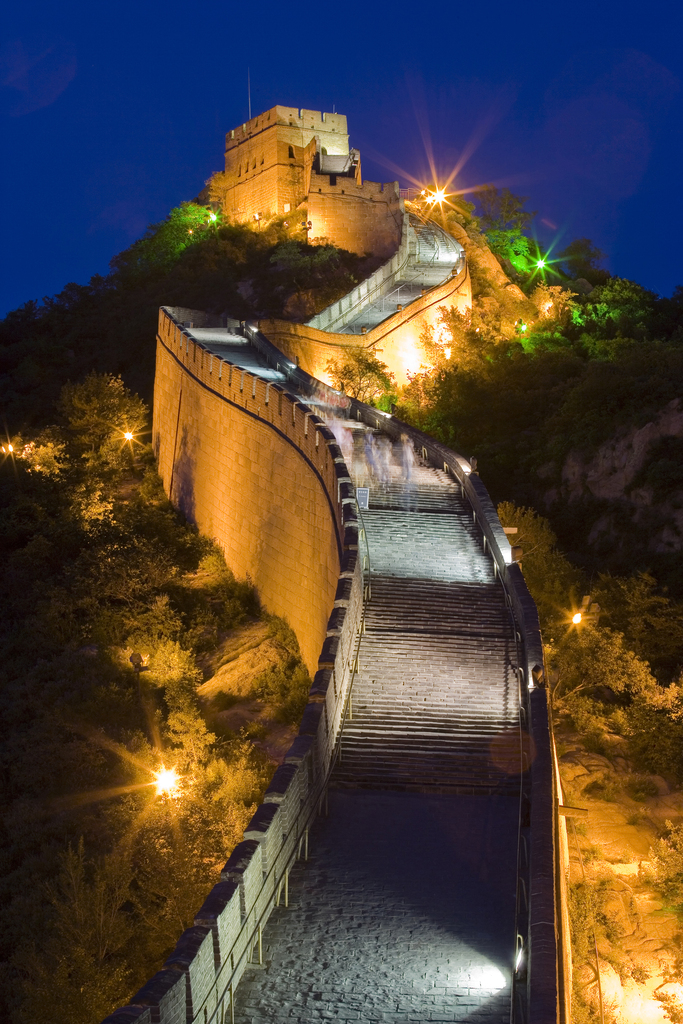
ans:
(540, 987)
(197, 982)
(340, 312)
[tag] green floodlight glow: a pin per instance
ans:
(212, 216)
(522, 326)
(540, 264)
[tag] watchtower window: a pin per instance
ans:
(333, 179)
(291, 152)
(253, 166)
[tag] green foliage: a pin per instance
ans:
(652, 625)
(99, 412)
(504, 220)
(96, 564)
(552, 580)
(163, 243)
(666, 857)
(361, 374)
(108, 325)
(285, 687)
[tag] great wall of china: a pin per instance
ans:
(408, 860)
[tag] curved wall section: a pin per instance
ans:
(396, 340)
(255, 470)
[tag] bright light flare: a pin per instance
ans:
(540, 264)
(447, 353)
(167, 780)
(213, 216)
(128, 435)
(576, 618)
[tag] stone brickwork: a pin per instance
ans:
(269, 169)
(396, 341)
(252, 467)
(268, 159)
(364, 217)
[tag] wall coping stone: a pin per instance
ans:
(328, 655)
(262, 819)
(299, 750)
(215, 903)
(310, 720)
(187, 947)
(280, 783)
(239, 860)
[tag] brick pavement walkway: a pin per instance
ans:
(403, 913)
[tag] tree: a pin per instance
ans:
(504, 221)
(552, 580)
(82, 967)
(502, 211)
(651, 623)
(582, 259)
(360, 374)
(100, 412)
(589, 658)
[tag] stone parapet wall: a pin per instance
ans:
(196, 985)
(343, 310)
(363, 217)
(396, 341)
(198, 980)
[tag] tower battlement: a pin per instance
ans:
(286, 157)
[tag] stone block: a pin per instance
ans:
(166, 996)
(344, 589)
(130, 1015)
(220, 911)
(322, 681)
(335, 623)
(193, 956)
(245, 866)
(310, 720)
(328, 654)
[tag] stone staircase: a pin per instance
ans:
(435, 701)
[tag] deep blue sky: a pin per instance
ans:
(112, 113)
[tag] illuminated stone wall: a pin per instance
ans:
(360, 216)
(268, 159)
(396, 341)
(254, 470)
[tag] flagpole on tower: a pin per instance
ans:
(249, 91)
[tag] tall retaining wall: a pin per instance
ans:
(255, 469)
(360, 216)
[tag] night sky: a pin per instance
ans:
(112, 113)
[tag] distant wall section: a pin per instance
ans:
(253, 468)
(360, 216)
(396, 341)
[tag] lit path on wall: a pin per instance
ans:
(235, 348)
(405, 911)
(437, 255)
